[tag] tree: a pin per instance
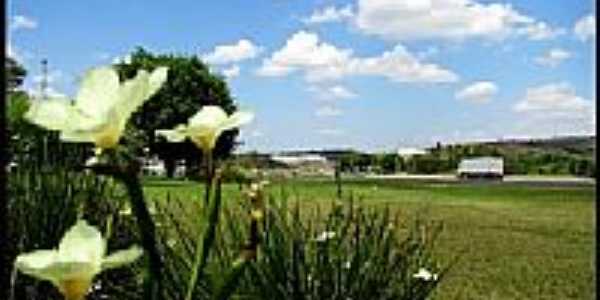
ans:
(15, 74)
(190, 85)
(389, 163)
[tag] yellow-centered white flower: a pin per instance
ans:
(425, 275)
(80, 256)
(205, 127)
(101, 109)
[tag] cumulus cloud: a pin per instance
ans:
(557, 103)
(585, 28)
(540, 31)
(223, 54)
(478, 92)
(231, 72)
(553, 57)
(319, 60)
(446, 19)
(12, 52)
(334, 92)
(328, 111)
(22, 22)
(330, 14)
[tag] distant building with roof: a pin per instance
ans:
(304, 163)
(410, 151)
(481, 167)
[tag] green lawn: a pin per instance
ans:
(517, 242)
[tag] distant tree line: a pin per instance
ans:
(445, 159)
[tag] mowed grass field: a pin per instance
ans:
(516, 242)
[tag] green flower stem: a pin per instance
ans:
(148, 233)
(146, 228)
(232, 279)
(208, 161)
(203, 248)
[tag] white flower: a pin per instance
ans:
(80, 256)
(425, 275)
(325, 235)
(92, 161)
(101, 108)
(347, 265)
(205, 127)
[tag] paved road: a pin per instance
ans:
(515, 179)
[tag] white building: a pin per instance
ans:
(153, 166)
(408, 152)
(306, 164)
(487, 166)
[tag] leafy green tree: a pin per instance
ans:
(190, 85)
(389, 163)
(15, 74)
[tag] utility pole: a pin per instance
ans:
(44, 97)
(44, 80)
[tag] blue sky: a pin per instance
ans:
(368, 74)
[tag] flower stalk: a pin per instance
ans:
(203, 247)
(146, 227)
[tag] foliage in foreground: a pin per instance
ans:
(43, 205)
(349, 252)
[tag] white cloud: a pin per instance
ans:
(50, 92)
(332, 92)
(101, 55)
(445, 19)
(122, 59)
(540, 31)
(303, 52)
(585, 28)
(232, 72)
(13, 52)
(478, 92)
(330, 14)
(556, 100)
(22, 22)
(553, 57)
(52, 77)
(328, 111)
(224, 54)
(340, 92)
(401, 66)
(256, 133)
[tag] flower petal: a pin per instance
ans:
(122, 257)
(132, 95)
(138, 90)
(99, 91)
(82, 243)
(237, 119)
(68, 270)
(51, 114)
(210, 117)
(156, 80)
(77, 136)
(35, 263)
(176, 135)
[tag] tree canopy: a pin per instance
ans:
(190, 85)
(15, 74)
